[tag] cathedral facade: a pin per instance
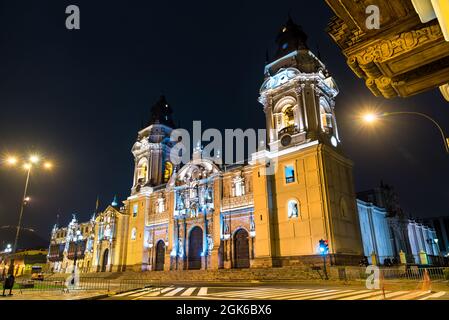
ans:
(203, 215)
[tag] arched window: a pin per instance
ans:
(326, 117)
(293, 209)
(142, 170)
(160, 205)
(238, 186)
(288, 117)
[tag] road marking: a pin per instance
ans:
(158, 292)
(312, 294)
(188, 292)
(280, 294)
(256, 293)
(414, 295)
(389, 295)
(340, 295)
(364, 295)
(173, 292)
(202, 292)
(139, 294)
(327, 294)
(130, 293)
(287, 294)
(435, 295)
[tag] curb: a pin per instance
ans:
(99, 297)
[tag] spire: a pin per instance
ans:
(114, 202)
(161, 113)
(291, 37)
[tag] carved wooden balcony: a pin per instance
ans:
(237, 202)
(402, 58)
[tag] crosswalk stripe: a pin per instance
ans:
(314, 294)
(364, 295)
(279, 295)
(326, 294)
(435, 295)
(158, 292)
(256, 293)
(414, 295)
(141, 293)
(388, 295)
(202, 292)
(188, 292)
(173, 292)
(287, 294)
(130, 293)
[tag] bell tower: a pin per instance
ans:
(298, 94)
(152, 148)
(303, 184)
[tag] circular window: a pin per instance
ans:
(286, 140)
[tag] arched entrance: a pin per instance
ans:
(104, 263)
(160, 256)
(241, 249)
(195, 248)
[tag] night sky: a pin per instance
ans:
(79, 97)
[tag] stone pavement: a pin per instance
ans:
(54, 295)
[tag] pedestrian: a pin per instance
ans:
(8, 284)
(12, 281)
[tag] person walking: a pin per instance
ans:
(8, 284)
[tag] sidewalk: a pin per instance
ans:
(54, 295)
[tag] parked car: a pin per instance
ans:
(36, 273)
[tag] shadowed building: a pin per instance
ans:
(407, 54)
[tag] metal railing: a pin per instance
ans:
(84, 284)
(396, 274)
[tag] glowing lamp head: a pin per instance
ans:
(27, 166)
(370, 117)
(48, 165)
(12, 161)
(34, 159)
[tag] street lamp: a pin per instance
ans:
(373, 117)
(323, 248)
(28, 164)
(8, 248)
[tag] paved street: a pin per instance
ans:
(277, 293)
(52, 295)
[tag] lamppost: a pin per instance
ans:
(78, 238)
(324, 250)
(372, 117)
(32, 162)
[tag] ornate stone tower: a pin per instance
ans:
(152, 169)
(298, 94)
(152, 149)
(303, 186)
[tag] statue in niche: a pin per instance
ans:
(252, 225)
(226, 228)
(210, 243)
(180, 201)
(180, 248)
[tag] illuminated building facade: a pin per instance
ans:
(202, 215)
